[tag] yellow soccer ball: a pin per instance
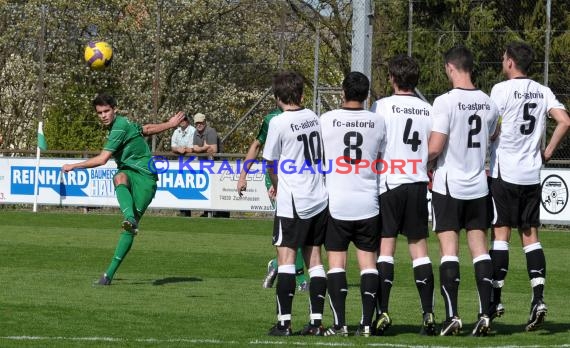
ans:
(98, 55)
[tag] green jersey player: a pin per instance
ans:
(135, 182)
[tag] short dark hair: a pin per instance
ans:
(405, 71)
(460, 57)
(522, 54)
(355, 86)
(103, 99)
(288, 87)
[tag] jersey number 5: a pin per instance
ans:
(527, 129)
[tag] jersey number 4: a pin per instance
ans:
(414, 141)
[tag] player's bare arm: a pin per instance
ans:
(436, 143)
(562, 126)
(272, 193)
(150, 129)
(93, 162)
(251, 155)
(496, 134)
(273, 175)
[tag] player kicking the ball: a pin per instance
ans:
(135, 182)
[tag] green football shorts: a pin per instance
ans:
(143, 189)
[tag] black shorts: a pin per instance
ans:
(452, 214)
(516, 205)
(405, 210)
(296, 232)
(365, 234)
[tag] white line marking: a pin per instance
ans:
(116, 339)
(286, 341)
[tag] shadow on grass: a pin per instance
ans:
(547, 328)
(170, 280)
(393, 330)
(499, 329)
(157, 282)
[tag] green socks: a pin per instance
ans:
(300, 268)
(125, 199)
(123, 247)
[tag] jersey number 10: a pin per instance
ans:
(311, 146)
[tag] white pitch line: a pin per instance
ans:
(490, 346)
(59, 338)
(115, 339)
(285, 341)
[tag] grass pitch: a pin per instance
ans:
(197, 282)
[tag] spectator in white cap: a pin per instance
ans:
(206, 140)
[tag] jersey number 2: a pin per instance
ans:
(474, 131)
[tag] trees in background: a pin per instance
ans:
(218, 57)
(484, 26)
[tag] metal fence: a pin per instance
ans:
(543, 24)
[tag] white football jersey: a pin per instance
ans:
(468, 117)
(294, 140)
(408, 126)
(523, 105)
(352, 140)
